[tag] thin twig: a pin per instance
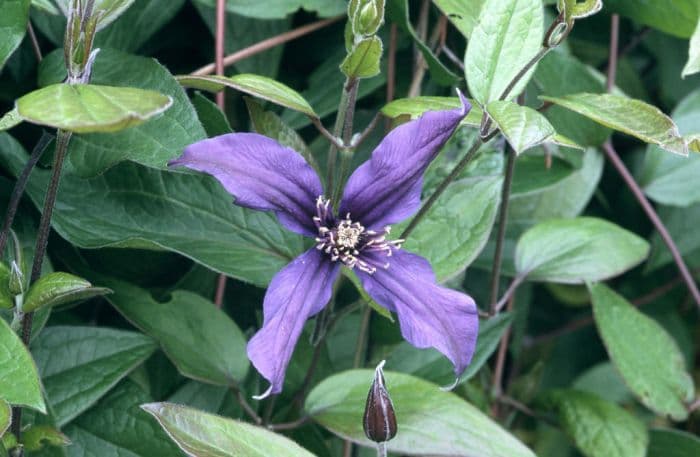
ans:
(269, 43)
(453, 57)
(508, 294)
(496, 386)
(35, 42)
(20, 185)
(289, 425)
(365, 133)
(632, 184)
(391, 69)
(336, 142)
(246, 406)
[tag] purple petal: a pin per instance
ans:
(297, 292)
(262, 174)
(429, 315)
(386, 189)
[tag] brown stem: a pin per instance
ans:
(35, 42)
(269, 43)
(496, 388)
(612, 61)
(290, 425)
(246, 406)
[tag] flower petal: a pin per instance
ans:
(386, 189)
(262, 174)
(429, 315)
(297, 292)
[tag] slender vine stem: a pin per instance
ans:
(621, 168)
(35, 42)
(496, 386)
(346, 154)
(502, 221)
(337, 132)
(20, 185)
(62, 140)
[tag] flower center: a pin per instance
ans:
(345, 241)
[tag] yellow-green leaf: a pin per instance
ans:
(523, 127)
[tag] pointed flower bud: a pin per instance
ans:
(380, 420)
(16, 283)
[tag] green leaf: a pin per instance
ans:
(415, 107)
(37, 436)
(80, 364)
(647, 358)
(672, 443)
(431, 421)
(256, 85)
(10, 119)
(84, 108)
(630, 116)
(398, 12)
(599, 428)
(108, 10)
(7, 300)
(206, 435)
(210, 115)
(675, 17)
(199, 338)
(522, 126)
(603, 380)
(116, 426)
(432, 366)
(507, 35)
(58, 288)
(5, 416)
(152, 144)
(19, 381)
(13, 25)
(275, 9)
(693, 64)
(46, 5)
(364, 59)
(133, 206)
(457, 227)
(682, 225)
(670, 179)
(574, 251)
(463, 15)
(579, 10)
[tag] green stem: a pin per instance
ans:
(62, 140)
(337, 131)
(346, 154)
(500, 238)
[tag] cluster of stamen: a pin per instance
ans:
(344, 240)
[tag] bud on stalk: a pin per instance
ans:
(380, 420)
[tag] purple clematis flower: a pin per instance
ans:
(264, 175)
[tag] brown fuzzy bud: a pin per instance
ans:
(379, 421)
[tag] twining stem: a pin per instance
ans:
(35, 42)
(347, 153)
(619, 165)
(497, 387)
(20, 185)
(502, 221)
(62, 140)
(337, 131)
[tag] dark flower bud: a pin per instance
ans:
(379, 421)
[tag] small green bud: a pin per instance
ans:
(367, 17)
(380, 420)
(16, 283)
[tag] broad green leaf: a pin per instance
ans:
(364, 59)
(78, 365)
(133, 206)
(398, 13)
(431, 422)
(463, 15)
(46, 5)
(256, 85)
(152, 144)
(90, 108)
(522, 126)
(205, 435)
(682, 225)
(432, 366)
(693, 64)
(599, 428)
(507, 35)
(561, 74)
(574, 251)
(58, 288)
(604, 381)
(116, 426)
(415, 107)
(647, 358)
(675, 17)
(210, 115)
(10, 119)
(108, 10)
(13, 25)
(670, 179)
(630, 116)
(457, 227)
(275, 9)
(19, 381)
(672, 443)
(200, 339)
(5, 416)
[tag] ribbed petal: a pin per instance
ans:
(262, 174)
(297, 292)
(429, 315)
(386, 189)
